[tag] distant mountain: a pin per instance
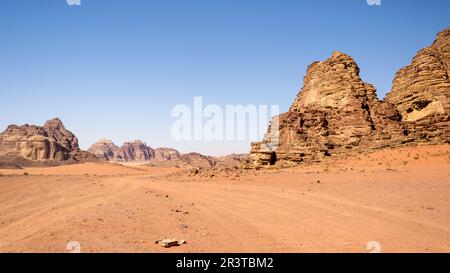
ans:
(138, 151)
(132, 151)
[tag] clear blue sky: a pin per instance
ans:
(116, 68)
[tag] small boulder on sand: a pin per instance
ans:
(170, 242)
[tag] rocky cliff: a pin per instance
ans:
(421, 92)
(137, 151)
(105, 149)
(130, 151)
(51, 142)
(421, 89)
(162, 154)
(336, 112)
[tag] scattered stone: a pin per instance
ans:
(170, 242)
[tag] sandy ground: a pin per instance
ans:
(399, 198)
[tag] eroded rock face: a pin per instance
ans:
(49, 142)
(130, 151)
(188, 160)
(197, 160)
(162, 154)
(421, 89)
(104, 149)
(421, 92)
(334, 83)
(137, 151)
(55, 129)
(336, 112)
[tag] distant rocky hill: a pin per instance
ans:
(133, 151)
(189, 160)
(31, 145)
(130, 151)
(198, 161)
(138, 151)
(53, 145)
(336, 113)
(164, 154)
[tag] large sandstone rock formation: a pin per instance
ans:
(137, 151)
(336, 112)
(189, 160)
(162, 154)
(105, 149)
(421, 92)
(130, 151)
(51, 142)
(421, 89)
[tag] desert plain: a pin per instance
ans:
(395, 197)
